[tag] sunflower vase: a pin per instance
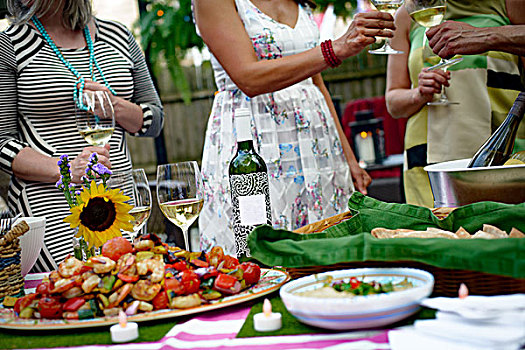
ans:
(81, 248)
(100, 215)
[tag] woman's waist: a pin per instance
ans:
(226, 84)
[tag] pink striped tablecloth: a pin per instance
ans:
(218, 329)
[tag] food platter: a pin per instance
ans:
(363, 311)
(271, 280)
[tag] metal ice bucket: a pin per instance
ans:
(454, 185)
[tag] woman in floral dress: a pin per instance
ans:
(266, 57)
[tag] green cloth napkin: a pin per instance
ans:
(14, 339)
(351, 240)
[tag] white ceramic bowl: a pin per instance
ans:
(361, 311)
(32, 241)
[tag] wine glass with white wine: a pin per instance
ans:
(95, 117)
(180, 193)
(388, 6)
(430, 13)
(134, 184)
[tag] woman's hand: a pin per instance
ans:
(430, 83)
(362, 32)
(127, 114)
(360, 177)
(78, 165)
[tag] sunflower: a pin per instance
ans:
(100, 214)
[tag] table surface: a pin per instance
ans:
(228, 328)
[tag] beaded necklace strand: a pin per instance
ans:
(77, 94)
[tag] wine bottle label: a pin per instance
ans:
(251, 206)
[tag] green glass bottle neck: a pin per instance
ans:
(245, 146)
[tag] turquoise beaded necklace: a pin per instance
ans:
(77, 94)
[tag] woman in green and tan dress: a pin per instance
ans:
(485, 86)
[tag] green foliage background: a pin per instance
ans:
(167, 32)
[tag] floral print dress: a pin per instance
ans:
(292, 129)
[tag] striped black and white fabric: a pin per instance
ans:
(37, 111)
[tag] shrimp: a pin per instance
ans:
(155, 266)
(145, 244)
(71, 266)
(102, 264)
(126, 264)
(145, 290)
(117, 297)
(64, 284)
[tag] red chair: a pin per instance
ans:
(394, 129)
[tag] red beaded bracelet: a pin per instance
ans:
(329, 55)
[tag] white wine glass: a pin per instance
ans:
(134, 184)
(430, 13)
(95, 117)
(180, 193)
(388, 6)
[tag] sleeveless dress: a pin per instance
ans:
(37, 111)
(293, 131)
(485, 86)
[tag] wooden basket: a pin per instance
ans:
(446, 281)
(11, 280)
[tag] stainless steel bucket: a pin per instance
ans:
(453, 184)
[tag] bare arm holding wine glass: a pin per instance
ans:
(403, 97)
(458, 38)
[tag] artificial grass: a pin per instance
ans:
(291, 326)
(15, 339)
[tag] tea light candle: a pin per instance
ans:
(124, 331)
(463, 291)
(267, 321)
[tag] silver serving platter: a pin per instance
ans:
(453, 184)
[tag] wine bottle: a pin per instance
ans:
(249, 185)
(498, 147)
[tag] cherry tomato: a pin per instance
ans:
(190, 281)
(44, 288)
(128, 279)
(74, 304)
(252, 272)
(180, 266)
(49, 307)
(161, 300)
(226, 284)
(354, 283)
(116, 247)
(174, 285)
(230, 262)
(23, 302)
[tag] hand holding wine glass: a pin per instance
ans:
(95, 117)
(429, 13)
(180, 194)
(134, 184)
(388, 6)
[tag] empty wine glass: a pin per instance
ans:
(134, 184)
(180, 194)
(95, 117)
(388, 6)
(430, 13)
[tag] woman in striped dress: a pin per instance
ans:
(45, 45)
